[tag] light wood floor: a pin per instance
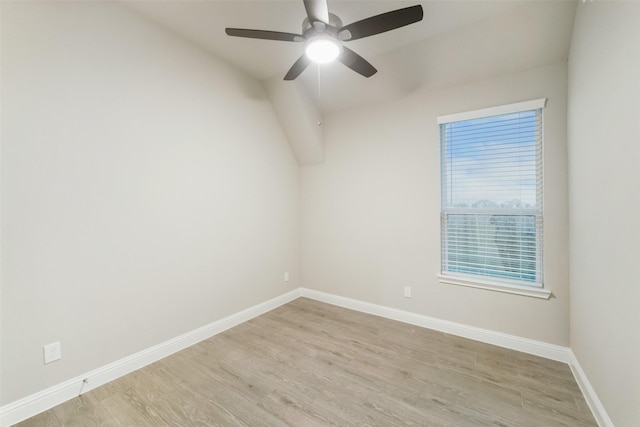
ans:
(312, 364)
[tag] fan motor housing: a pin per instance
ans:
(309, 29)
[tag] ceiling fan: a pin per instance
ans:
(323, 35)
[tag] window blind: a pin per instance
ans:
(491, 207)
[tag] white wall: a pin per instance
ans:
(147, 190)
(370, 214)
(604, 173)
(299, 118)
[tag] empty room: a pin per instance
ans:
(320, 213)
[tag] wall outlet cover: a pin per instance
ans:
(52, 352)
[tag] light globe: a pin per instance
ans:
(322, 49)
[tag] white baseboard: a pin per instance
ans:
(597, 409)
(34, 404)
(538, 348)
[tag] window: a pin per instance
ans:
(491, 207)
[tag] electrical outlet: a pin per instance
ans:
(52, 352)
(286, 276)
(407, 291)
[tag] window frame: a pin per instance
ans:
(535, 289)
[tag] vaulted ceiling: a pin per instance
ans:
(457, 42)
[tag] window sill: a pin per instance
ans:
(497, 287)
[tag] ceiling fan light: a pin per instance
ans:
(322, 50)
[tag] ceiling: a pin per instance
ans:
(458, 41)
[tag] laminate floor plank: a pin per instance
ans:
(312, 364)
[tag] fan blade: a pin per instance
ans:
(381, 23)
(264, 35)
(298, 67)
(317, 10)
(356, 62)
